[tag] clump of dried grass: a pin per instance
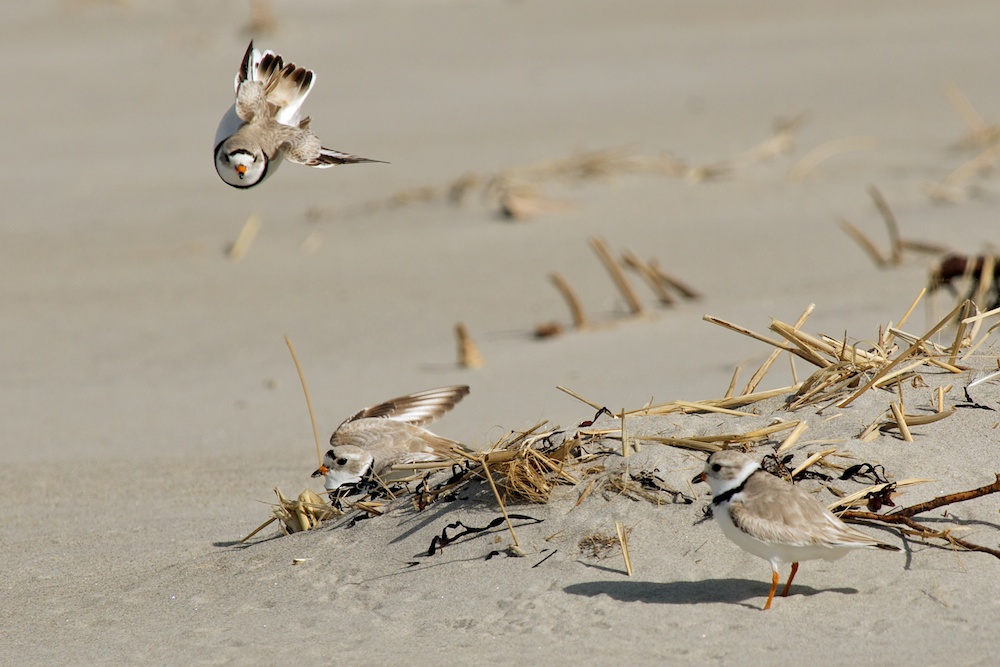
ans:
(306, 512)
(846, 369)
(527, 464)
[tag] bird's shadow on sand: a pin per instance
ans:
(708, 591)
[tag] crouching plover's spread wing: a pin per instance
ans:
(775, 520)
(377, 438)
(264, 127)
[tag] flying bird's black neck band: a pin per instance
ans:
(728, 495)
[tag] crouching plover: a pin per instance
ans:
(390, 433)
(263, 126)
(775, 520)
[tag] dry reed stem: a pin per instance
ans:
(812, 460)
(684, 443)
(617, 275)
(960, 332)
(827, 150)
(749, 398)
(890, 331)
(586, 492)
(245, 238)
(803, 343)
(929, 347)
(989, 264)
(468, 352)
(865, 242)
(871, 431)
(758, 375)
(626, 450)
(571, 299)
(623, 541)
(793, 437)
(578, 397)
(780, 143)
(503, 508)
(981, 316)
(673, 282)
(708, 443)
(774, 428)
(305, 390)
(747, 332)
(982, 162)
(682, 406)
(839, 349)
(895, 245)
(926, 247)
(897, 413)
(795, 374)
(651, 278)
(976, 326)
(978, 128)
(922, 420)
(732, 383)
(749, 436)
(698, 406)
(975, 346)
(904, 371)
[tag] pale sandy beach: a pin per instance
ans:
(150, 404)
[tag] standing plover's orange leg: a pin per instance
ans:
(788, 584)
(774, 586)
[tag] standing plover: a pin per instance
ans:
(263, 126)
(775, 520)
(379, 437)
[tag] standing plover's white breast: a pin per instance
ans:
(775, 520)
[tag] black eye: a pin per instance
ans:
(716, 467)
(342, 462)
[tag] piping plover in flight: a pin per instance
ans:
(379, 437)
(263, 127)
(775, 520)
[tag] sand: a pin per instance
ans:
(150, 404)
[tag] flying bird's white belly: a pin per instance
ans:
(227, 126)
